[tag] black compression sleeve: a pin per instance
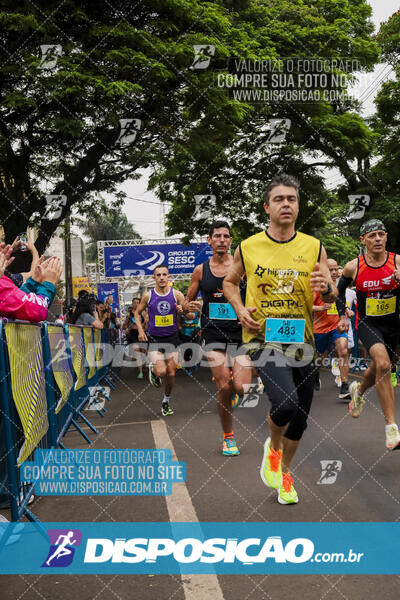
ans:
(342, 284)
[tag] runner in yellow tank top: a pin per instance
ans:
(283, 269)
(279, 287)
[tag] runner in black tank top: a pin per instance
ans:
(217, 329)
(221, 330)
(377, 278)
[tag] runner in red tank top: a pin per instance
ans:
(377, 278)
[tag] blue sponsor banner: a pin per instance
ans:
(126, 261)
(109, 289)
(190, 548)
(113, 472)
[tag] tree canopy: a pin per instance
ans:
(228, 154)
(385, 174)
(108, 223)
(93, 91)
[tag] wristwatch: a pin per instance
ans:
(328, 290)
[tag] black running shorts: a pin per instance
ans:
(157, 342)
(370, 334)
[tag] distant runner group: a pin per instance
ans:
(273, 311)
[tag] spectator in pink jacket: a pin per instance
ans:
(31, 301)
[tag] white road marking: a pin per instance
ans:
(86, 428)
(180, 508)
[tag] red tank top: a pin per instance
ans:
(377, 292)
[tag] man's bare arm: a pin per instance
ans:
(348, 275)
(319, 308)
(232, 281)
(180, 298)
(232, 294)
(190, 303)
(350, 269)
(321, 278)
(396, 272)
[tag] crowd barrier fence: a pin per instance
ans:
(48, 374)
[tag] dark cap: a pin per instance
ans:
(372, 225)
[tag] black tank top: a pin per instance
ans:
(212, 292)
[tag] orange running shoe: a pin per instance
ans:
(271, 466)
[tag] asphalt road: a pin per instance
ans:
(366, 488)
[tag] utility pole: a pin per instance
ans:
(67, 260)
(162, 220)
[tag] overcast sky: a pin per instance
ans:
(145, 212)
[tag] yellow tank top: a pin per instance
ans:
(278, 279)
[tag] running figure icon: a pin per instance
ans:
(62, 542)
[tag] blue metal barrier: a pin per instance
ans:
(101, 372)
(108, 336)
(62, 405)
(16, 494)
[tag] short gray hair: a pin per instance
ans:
(282, 179)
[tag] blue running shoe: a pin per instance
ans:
(229, 447)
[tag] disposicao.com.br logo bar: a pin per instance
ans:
(221, 548)
(216, 550)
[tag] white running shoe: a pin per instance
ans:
(153, 378)
(357, 402)
(393, 438)
(335, 367)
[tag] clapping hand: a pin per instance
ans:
(37, 274)
(16, 244)
(6, 258)
(51, 270)
(3, 263)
